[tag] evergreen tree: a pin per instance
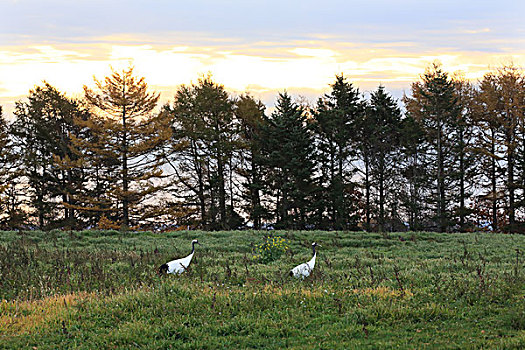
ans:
(413, 192)
(42, 131)
(203, 121)
(511, 90)
(466, 160)
(290, 155)
(383, 126)
(435, 106)
(488, 144)
(337, 117)
(250, 114)
(12, 216)
(124, 120)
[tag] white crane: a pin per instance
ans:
(304, 270)
(180, 265)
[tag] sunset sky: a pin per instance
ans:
(256, 46)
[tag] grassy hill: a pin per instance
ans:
(94, 289)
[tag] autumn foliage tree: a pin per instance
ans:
(452, 160)
(499, 115)
(130, 134)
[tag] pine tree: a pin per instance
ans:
(383, 126)
(435, 106)
(12, 216)
(42, 131)
(511, 87)
(250, 114)
(133, 137)
(466, 160)
(337, 117)
(488, 139)
(5, 159)
(414, 191)
(203, 122)
(290, 155)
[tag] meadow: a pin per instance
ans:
(415, 290)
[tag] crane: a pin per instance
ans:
(178, 266)
(304, 270)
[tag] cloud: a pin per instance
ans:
(268, 67)
(263, 46)
(477, 31)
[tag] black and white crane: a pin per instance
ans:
(180, 265)
(304, 270)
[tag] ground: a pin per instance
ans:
(100, 289)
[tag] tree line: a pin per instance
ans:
(450, 157)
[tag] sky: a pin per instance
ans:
(261, 47)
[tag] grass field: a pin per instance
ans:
(100, 290)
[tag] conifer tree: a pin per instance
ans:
(466, 160)
(204, 124)
(337, 117)
(500, 119)
(42, 131)
(5, 159)
(511, 89)
(414, 191)
(383, 126)
(130, 134)
(99, 170)
(250, 114)
(435, 106)
(289, 153)
(488, 139)
(12, 216)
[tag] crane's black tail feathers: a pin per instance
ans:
(163, 269)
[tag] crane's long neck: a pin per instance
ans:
(311, 263)
(192, 248)
(313, 250)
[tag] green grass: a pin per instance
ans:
(95, 289)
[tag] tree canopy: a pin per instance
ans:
(450, 156)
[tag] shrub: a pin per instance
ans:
(270, 250)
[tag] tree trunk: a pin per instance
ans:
(381, 193)
(462, 176)
(222, 191)
(493, 182)
(510, 185)
(367, 187)
(256, 199)
(333, 194)
(440, 183)
(125, 179)
(341, 212)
